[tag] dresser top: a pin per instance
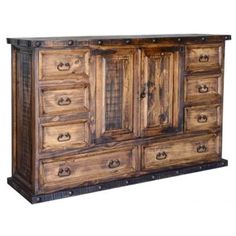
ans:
(108, 40)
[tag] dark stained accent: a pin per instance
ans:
(115, 40)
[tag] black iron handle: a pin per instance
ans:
(203, 89)
(64, 137)
(64, 171)
(204, 58)
(201, 148)
(64, 101)
(161, 155)
(113, 163)
(63, 66)
(202, 119)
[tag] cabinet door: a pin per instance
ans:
(160, 91)
(115, 89)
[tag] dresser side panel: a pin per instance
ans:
(22, 123)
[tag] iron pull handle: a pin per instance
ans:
(203, 89)
(161, 156)
(114, 164)
(202, 119)
(64, 171)
(203, 58)
(201, 148)
(64, 137)
(63, 66)
(64, 101)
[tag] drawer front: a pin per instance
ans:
(203, 57)
(63, 64)
(55, 101)
(203, 88)
(59, 173)
(180, 152)
(202, 117)
(64, 135)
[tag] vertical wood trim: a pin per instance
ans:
(98, 96)
(176, 91)
(137, 90)
(181, 88)
(92, 98)
(222, 92)
(173, 82)
(35, 119)
(103, 94)
(14, 103)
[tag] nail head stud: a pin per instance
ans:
(70, 42)
(37, 44)
(38, 199)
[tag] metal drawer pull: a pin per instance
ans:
(203, 58)
(64, 137)
(114, 164)
(202, 119)
(201, 148)
(161, 156)
(64, 101)
(63, 66)
(203, 89)
(64, 171)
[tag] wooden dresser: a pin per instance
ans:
(93, 113)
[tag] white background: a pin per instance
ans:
(197, 204)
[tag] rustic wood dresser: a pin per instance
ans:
(93, 113)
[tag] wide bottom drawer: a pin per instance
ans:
(180, 152)
(62, 173)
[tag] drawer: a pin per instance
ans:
(63, 100)
(204, 57)
(59, 173)
(63, 64)
(202, 117)
(64, 135)
(203, 88)
(180, 152)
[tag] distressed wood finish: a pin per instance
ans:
(97, 112)
(87, 168)
(159, 90)
(165, 154)
(202, 117)
(65, 135)
(23, 109)
(205, 57)
(64, 100)
(63, 64)
(115, 104)
(203, 88)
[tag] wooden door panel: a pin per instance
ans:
(160, 99)
(115, 105)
